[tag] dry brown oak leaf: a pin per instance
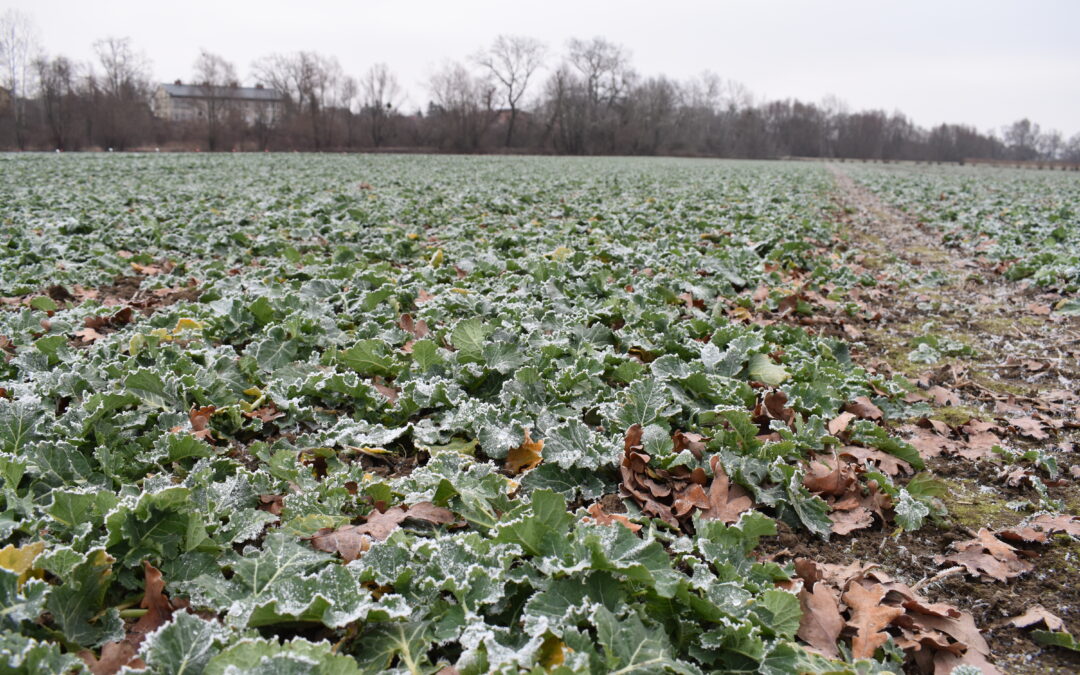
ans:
(869, 618)
(821, 622)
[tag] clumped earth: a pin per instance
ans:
(464, 415)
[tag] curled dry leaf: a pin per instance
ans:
(389, 392)
(273, 504)
(772, 406)
(117, 654)
(265, 414)
(890, 465)
(114, 656)
(418, 329)
(120, 318)
(158, 607)
(675, 495)
(695, 443)
(726, 501)
(834, 480)
(200, 422)
(602, 517)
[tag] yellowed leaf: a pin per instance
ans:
(21, 560)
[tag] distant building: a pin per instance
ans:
(179, 102)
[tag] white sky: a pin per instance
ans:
(985, 62)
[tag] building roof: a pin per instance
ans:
(239, 93)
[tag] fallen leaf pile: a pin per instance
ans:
(991, 559)
(972, 440)
(860, 603)
(852, 504)
(675, 495)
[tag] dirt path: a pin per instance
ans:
(997, 369)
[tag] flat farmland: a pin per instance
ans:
(294, 413)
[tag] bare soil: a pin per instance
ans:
(1022, 353)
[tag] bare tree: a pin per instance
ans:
(512, 61)
(381, 94)
(607, 77)
(605, 67)
(463, 103)
(309, 80)
(567, 111)
(120, 95)
(215, 78)
(654, 108)
(18, 51)
(1051, 144)
(59, 95)
(1071, 153)
(1022, 137)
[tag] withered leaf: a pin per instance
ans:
(943, 396)
(389, 392)
(602, 517)
(418, 329)
(695, 443)
(863, 408)
(88, 335)
(526, 456)
(1061, 523)
(1036, 614)
(273, 504)
(200, 421)
(835, 480)
(693, 497)
(986, 556)
(114, 656)
(845, 522)
(267, 413)
(349, 541)
(1030, 427)
(946, 662)
(839, 424)
(930, 444)
(890, 465)
(158, 608)
(869, 618)
(821, 622)
(726, 501)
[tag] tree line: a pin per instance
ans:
(515, 95)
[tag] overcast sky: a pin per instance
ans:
(986, 62)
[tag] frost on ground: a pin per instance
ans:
(461, 414)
